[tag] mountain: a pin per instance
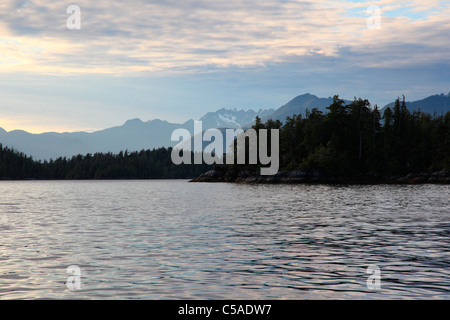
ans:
(223, 119)
(438, 103)
(133, 135)
(299, 105)
(233, 119)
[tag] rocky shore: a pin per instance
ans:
(297, 176)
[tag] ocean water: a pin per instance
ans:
(171, 239)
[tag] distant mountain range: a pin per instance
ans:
(133, 135)
(136, 135)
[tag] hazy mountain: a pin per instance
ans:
(228, 118)
(133, 135)
(438, 103)
(299, 105)
(223, 119)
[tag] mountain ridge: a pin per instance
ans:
(438, 103)
(135, 134)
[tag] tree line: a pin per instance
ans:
(144, 164)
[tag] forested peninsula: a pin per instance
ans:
(353, 143)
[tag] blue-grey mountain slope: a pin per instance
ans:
(439, 104)
(299, 105)
(133, 135)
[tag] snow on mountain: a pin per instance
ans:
(231, 118)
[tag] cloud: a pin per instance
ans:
(199, 35)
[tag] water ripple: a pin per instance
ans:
(176, 240)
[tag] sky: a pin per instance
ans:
(177, 60)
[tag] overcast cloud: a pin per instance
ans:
(289, 47)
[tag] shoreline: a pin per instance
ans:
(316, 177)
(92, 179)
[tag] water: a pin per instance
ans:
(180, 240)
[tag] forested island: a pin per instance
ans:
(351, 143)
(354, 143)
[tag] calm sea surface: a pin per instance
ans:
(180, 240)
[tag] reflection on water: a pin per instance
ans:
(179, 240)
